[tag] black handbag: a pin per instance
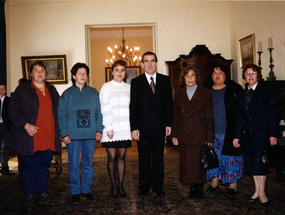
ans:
(270, 156)
(209, 159)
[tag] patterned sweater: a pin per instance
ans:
(115, 101)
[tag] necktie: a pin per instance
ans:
(152, 85)
(248, 98)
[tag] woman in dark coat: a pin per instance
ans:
(35, 133)
(224, 93)
(193, 126)
(257, 127)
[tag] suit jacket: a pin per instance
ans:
(5, 113)
(261, 120)
(150, 113)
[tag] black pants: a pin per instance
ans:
(151, 168)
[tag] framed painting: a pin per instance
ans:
(131, 72)
(55, 67)
(247, 50)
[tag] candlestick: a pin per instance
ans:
(271, 76)
(259, 59)
(270, 44)
(259, 46)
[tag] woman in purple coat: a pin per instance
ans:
(193, 127)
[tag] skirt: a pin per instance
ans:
(230, 167)
(117, 144)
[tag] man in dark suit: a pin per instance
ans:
(151, 120)
(5, 128)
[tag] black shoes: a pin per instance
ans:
(114, 193)
(212, 189)
(121, 192)
(75, 199)
(5, 171)
(196, 191)
(251, 199)
(160, 194)
(142, 194)
(232, 192)
(88, 196)
(44, 200)
(29, 202)
(265, 204)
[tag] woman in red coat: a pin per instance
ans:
(193, 126)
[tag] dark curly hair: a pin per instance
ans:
(75, 68)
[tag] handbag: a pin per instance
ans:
(209, 159)
(270, 156)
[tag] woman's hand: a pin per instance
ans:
(175, 141)
(236, 143)
(110, 134)
(98, 136)
(31, 129)
(66, 140)
(273, 141)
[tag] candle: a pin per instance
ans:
(270, 46)
(260, 46)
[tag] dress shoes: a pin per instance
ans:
(5, 171)
(160, 193)
(142, 194)
(232, 192)
(265, 204)
(44, 200)
(88, 196)
(212, 189)
(252, 199)
(121, 192)
(29, 202)
(75, 199)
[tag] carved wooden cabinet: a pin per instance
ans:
(201, 58)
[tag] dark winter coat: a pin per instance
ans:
(24, 108)
(231, 104)
(255, 126)
(193, 125)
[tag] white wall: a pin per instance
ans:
(57, 27)
(265, 19)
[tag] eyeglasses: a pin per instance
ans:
(250, 73)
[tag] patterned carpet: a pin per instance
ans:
(11, 195)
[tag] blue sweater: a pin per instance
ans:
(79, 113)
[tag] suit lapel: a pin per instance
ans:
(146, 86)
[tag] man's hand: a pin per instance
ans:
(136, 134)
(168, 131)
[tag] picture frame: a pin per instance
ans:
(131, 72)
(247, 50)
(55, 67)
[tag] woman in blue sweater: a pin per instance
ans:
(80, 125)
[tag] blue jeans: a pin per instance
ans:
(34, 171)
(86, 149)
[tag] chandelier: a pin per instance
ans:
(131, 56)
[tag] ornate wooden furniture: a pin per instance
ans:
(201, 58)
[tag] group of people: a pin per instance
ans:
(225, 117)
(233, 121)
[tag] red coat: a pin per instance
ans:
(193, 125)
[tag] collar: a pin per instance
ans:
(254, 87)
(148, 77)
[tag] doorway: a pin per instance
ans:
(100, 37)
